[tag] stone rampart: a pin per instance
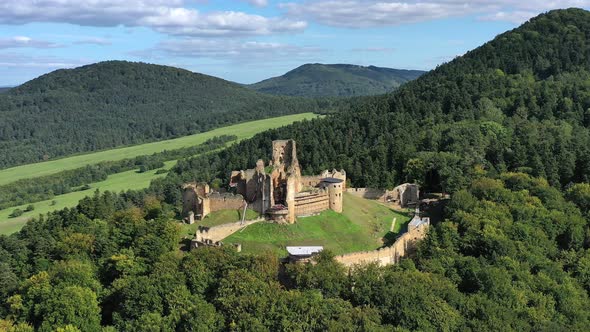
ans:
(225, 202)
(217, 233)
(310, 181)
(310, 203)
(405, 244)
(368, 193)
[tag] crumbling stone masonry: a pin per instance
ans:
(198, 201)
(405, 195)
(284, 193)
(404, 245)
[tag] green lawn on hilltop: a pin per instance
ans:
(129, 180)
(361, 226)
(242, 130)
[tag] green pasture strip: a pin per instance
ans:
(242, 130)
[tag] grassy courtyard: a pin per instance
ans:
(361, 226)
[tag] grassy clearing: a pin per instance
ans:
(129, 180)
(217, 218)
(115, 183)
(362, 226)
(242, 130)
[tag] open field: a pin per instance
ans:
(129, 180)
(115, 183)
(361, 226)
(242, 130)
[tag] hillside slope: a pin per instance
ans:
(519, 102)
(511, 254)
(338, 80)
(117, 103)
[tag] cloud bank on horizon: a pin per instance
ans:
(247, 40)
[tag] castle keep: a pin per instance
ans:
(278, 192)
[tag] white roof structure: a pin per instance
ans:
(417, 221)
(304, 251)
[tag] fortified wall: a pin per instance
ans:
(405, 244)
(404, 195)
(284, 194)
(281, 195)
(213, 235)
(198, 201)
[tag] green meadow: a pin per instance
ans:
(129, 180)
(115, 183)
(362, 226)
(242, 130)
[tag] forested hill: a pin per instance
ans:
(117, 103)
(511, 254)
(339, 80)
(520, 102)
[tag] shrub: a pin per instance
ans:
(16, 213)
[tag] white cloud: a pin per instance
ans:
(167, 16)
(374, 49)
(516, 17)
(23, 41)
(230, 49)
(185, 22)
(258, 3)
(18, 60)
(93, 41)
(378, 13)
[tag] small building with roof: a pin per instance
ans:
(303, 253)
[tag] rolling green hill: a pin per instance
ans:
(116, 103)
(512, 252)
(520, 102)
(338, 80)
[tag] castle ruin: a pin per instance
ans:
(281, 195)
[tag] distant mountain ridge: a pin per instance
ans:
(336, 80)
(118, 103)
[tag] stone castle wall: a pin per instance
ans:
(218, 233)
(225, 202)
(310, 181)
(310, 203)
(406, 194)
(368, 193)
(405, 244)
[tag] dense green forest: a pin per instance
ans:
(339, 80)
(118, 103)
(518, 103)
(512, 255)
(504, 128)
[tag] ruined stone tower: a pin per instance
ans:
(334, 187)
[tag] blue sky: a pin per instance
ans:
(249, 40)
